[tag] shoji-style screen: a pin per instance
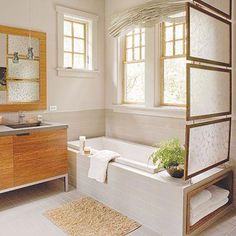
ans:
(223, 7)
(209, 92)
(208, 146)
(209, 37)
(209, 87)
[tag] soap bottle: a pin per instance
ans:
(82, 140)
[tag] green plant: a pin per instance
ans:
(170, 153)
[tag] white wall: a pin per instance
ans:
(68, 94)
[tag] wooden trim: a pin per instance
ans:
(42, 103)
(188, 87)
(186, 162)
(191, 228)
(211, 7)
(191, 58)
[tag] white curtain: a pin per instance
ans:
(147, 14)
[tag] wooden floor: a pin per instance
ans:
(21, 213)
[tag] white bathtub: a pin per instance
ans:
(132, 154)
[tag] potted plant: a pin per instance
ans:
(170, 156)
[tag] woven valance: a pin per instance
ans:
(147, 14)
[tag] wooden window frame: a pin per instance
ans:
(73, 37)
(126, 62)
(164, 57)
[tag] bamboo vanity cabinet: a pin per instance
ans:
(32, 157)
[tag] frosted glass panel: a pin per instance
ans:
(209, 91)
(23, 91)
(21, 44)
(24, 69)
(220, 5)
(209, 38)
(208, 145)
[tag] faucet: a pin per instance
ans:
(21, 117)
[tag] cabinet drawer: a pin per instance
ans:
(39, 155)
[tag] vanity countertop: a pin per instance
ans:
(5, 130)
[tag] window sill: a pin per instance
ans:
(77, 73)
(165, 111)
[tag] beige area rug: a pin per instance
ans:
(88, 217)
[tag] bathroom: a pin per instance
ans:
(91, 104)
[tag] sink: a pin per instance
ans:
(25, 125)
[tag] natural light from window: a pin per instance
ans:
(74, 44)
(134, 67)
(173, 64)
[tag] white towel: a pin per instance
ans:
(207, 211)
(219, 192)
(99, 163)
(200, 198)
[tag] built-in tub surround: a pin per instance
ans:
(157, 201)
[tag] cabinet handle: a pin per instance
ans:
(23, 134)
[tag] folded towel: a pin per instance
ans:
(98, 164)
(207, 211)
(219, 192)
(200, 198)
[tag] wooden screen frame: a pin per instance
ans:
(211, 7)
(199, 59)
(188, 99)
(191, 228)
(42, 103)
(187, 137)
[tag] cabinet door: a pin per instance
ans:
(39, 155)
(6, 162)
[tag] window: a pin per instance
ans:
(173, 64)
(134, 67)
(75, 34)
(77, 42)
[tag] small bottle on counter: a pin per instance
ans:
(87, 150)
(82, 140)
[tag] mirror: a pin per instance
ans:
(22, 69)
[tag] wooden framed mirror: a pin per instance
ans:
(22, 69)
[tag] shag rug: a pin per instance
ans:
(88, 217)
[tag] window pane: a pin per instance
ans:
(129, 42)
(67, 59)
(137, 30)
(169, 49)
(178, 31)
(79, 61)
(67, 44)
(137, 54)
(143, 53)
(179, 47)
(129, 55)
(169, 33)
(175, 81)
(79, 30)
(143, 39)
(79, 45)
(135, 83)
(67, 28)
(137, 40)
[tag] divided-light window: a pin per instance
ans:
(173, 64)
(134, 67)
(75, 38)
